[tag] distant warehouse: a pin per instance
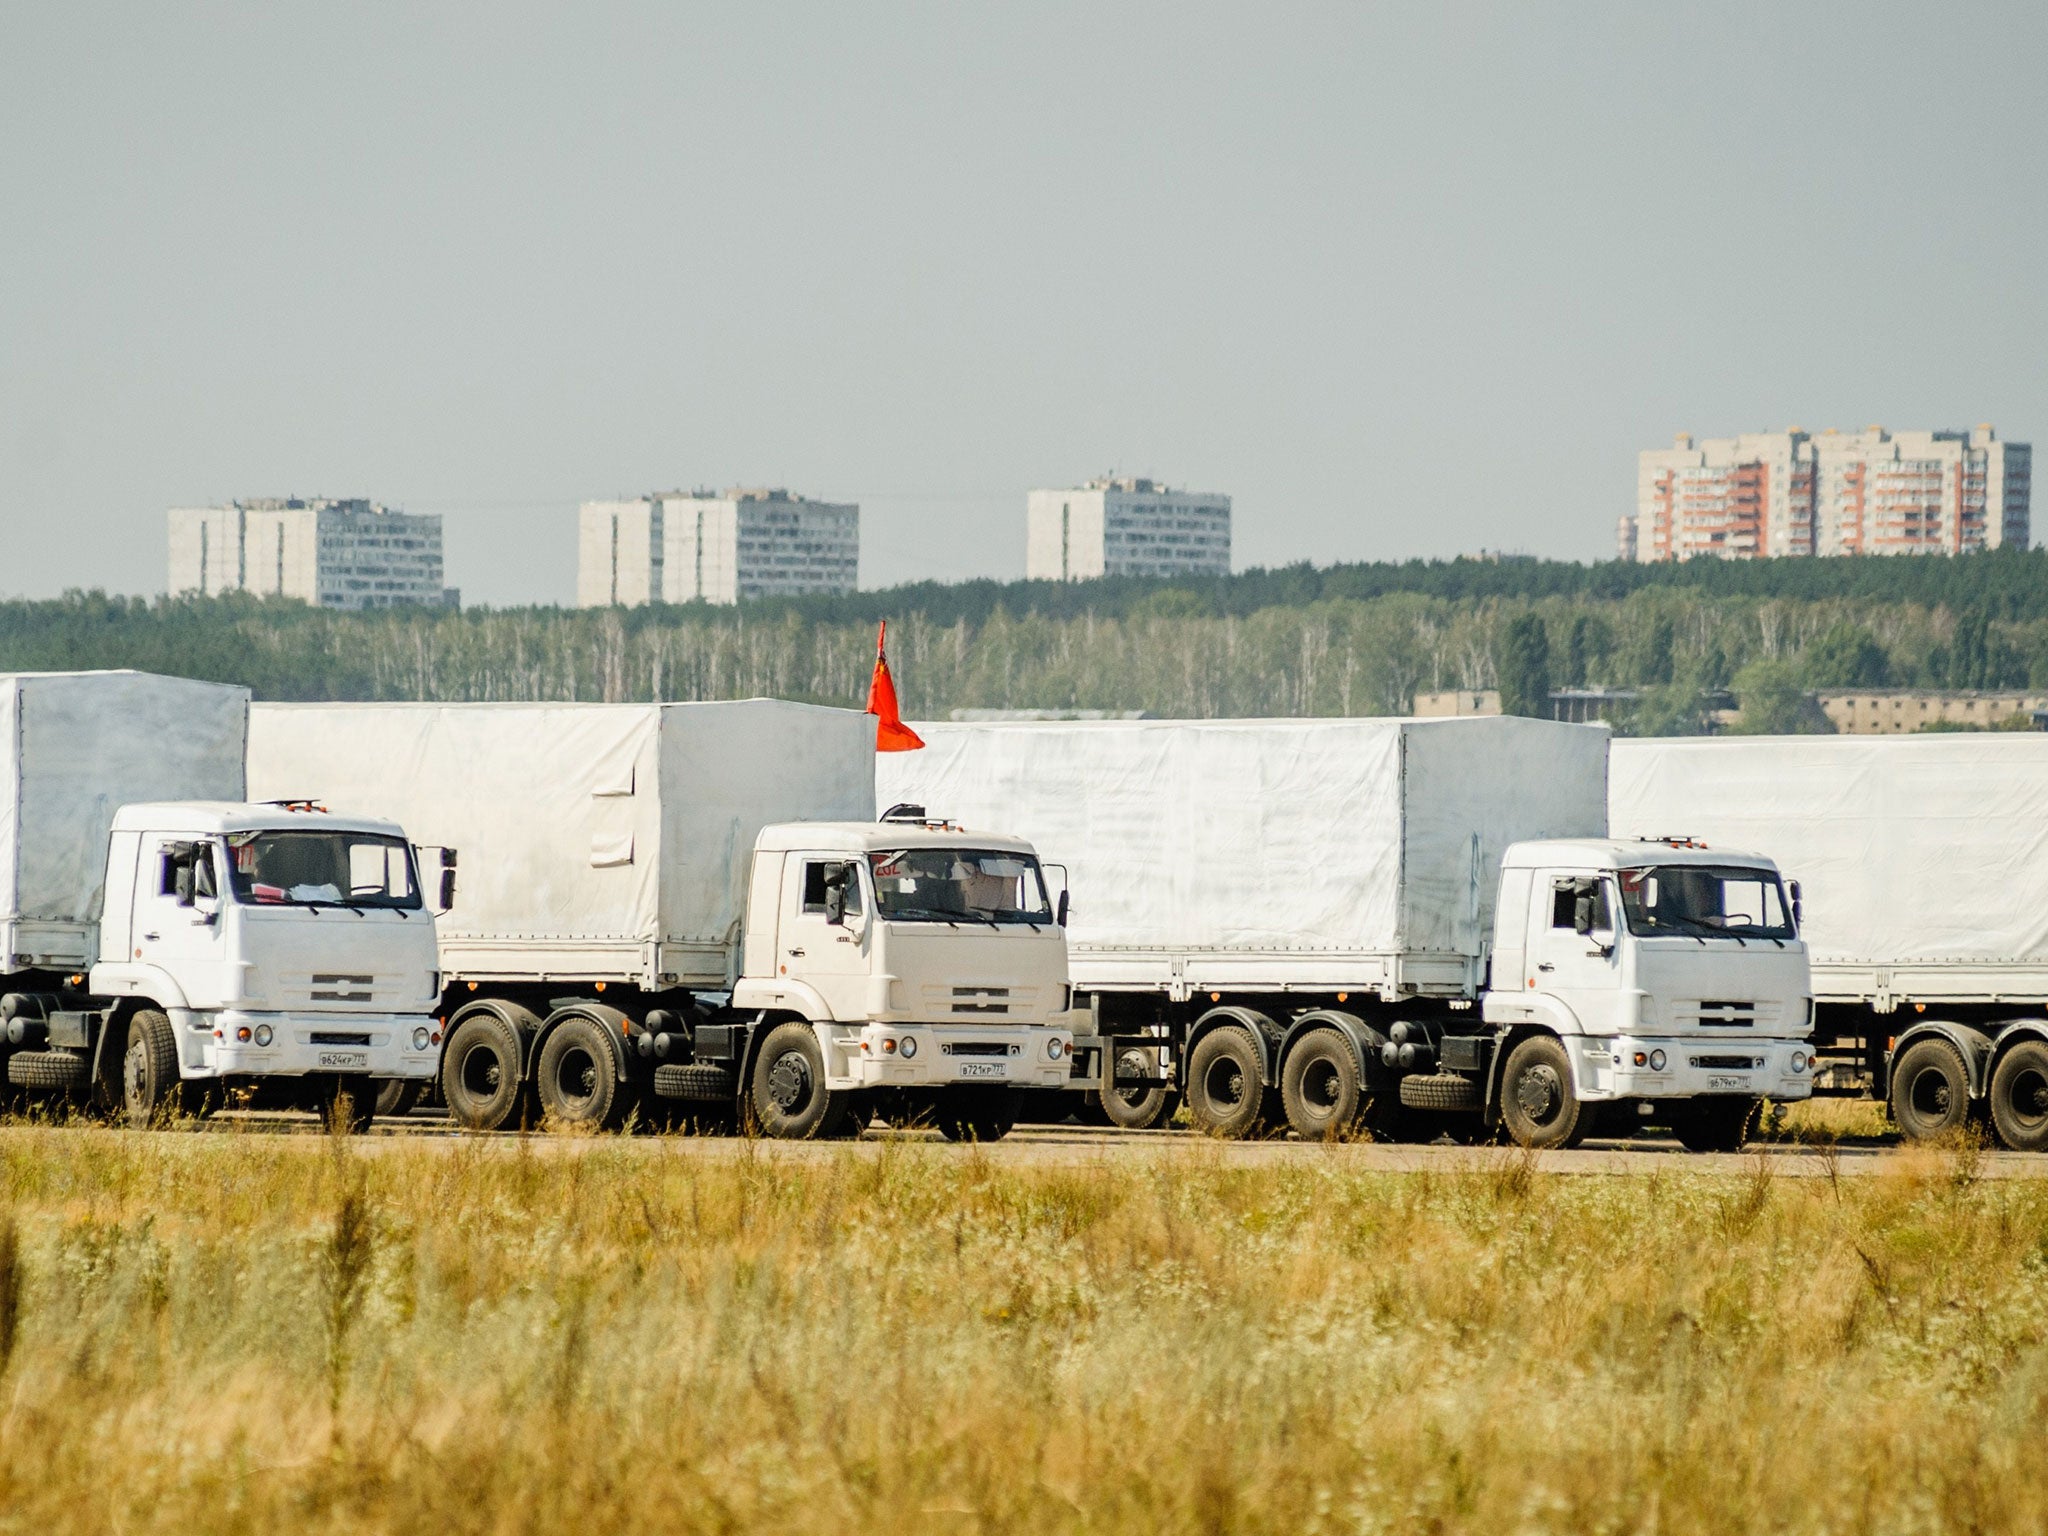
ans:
(1124, 526)
(706, 547)
(331, 553)
(1872, 492)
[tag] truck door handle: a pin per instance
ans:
(151, 938)
(796, 954)
(1546, 966)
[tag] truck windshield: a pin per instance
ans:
(1705, 901)
(952, 885)
(322, 869)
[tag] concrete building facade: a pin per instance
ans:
(1897, 711)
(331, 553)
(702, 546)
(1125, 526)
(1834, 493)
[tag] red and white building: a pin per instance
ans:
(1834, 493)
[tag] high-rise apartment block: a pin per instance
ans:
(1123, 526)
(330, 553)
(1832, 493)
(705, 547)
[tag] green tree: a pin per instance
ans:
(1523, 667)
(1847, 656)
(1775, 702)
(1588, 644)
(1655, 663)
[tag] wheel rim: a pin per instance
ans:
(481, 1072)
(134, 1077)
(2028, 1099)
(789, 1082)
(1929, 1095)
(1223, 1083)
(576, 1076)
(1131, 1062)
(1538, 1094)
(1321, 1087)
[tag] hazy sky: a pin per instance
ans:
(1403, 280)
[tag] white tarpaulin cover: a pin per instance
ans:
(80, 746)
(586, 833)
(1912, 850)
(1326, 837)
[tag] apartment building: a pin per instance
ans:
(1872, 492)
(1125, 526)
(331, 553)
(1895, 711)
(704, 546)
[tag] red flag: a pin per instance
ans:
(892, 735)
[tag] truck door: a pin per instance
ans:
(1580, 969)
(831, 956)
(178, 921)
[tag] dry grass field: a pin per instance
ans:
(260, 1333)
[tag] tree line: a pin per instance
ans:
(1193, 649)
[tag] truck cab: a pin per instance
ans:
(251, 942)
(924, 956)
(1665, 970)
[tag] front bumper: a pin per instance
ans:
(946, 1055)
(304, 1044)
(1607, 1067)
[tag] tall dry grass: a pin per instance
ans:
(246, 1333)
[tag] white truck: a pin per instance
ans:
(162, 940)
(692, 907)
(1299, 919)
(1924, 861)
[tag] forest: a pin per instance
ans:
(1347, 639)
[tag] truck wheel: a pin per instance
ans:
(2019, 1097)
(1536, 1102)
(1714, 1124)
(579, 1081)
(977, 1114)
(396, 1097)
(786, 1093)
(1930, 1090)
(1132, 1109)
(1439, 1091)
(1320, 1086)
(60, 1071)
(150, 1088)
(480, 1073)
(1225, 1095)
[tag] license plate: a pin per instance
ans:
(344, 1061)
(984, 1069)
(1727, 1084)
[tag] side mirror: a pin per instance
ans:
(445, 886)
(835, 903)
(1060, 915)
(1798, 905)
(1582, 915)
(184, 885)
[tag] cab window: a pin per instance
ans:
(822, 875)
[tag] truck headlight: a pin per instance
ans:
(909, 1046)
(421, 1039)
(1799, 1061)
(1656, 1061)
(263, 1034)
(1053, 1048)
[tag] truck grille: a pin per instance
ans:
(977, 1048)
(338, 1037)
(1728, 1063)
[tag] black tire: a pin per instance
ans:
(700, 1082)
(480, 1076)
(1537, 1107)
(1716, 1123)
(977, 1114)
(48, 1071)
(1930, 1090)
(150, 1087)
(2019, 1097)
(786, 1094)
(1441, 1091)
(578, 1077)
(396, 1096)
(1225, 1094)
(1321, 1086)
(1133, 1109)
